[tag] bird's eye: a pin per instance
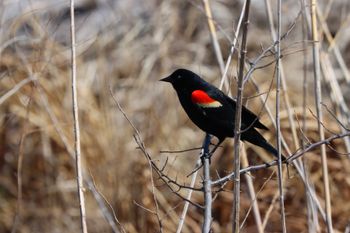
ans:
(179, 76)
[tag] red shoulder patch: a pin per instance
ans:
(202, 99)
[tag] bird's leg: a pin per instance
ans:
(205, 156)
(208, 155)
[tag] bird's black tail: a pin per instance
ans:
(256, 138)
(267, 146)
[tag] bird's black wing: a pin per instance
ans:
(222, 108)
(248, 117)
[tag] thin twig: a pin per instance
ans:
(318, 100)
(286, 147)
(269, 210)
(277, 37)
(274, 162)
(333, 46)
(141, 146)
(79, 172)
(189, 195)
(60, 132)
(16, 88)
(24, 133)
(335, 117)
(278, 123)
(238, 116)
(336, 95)
(312, 219)
(253, 196)
(100, 198)
(233, 46)
(160, 224)
(140, 143)
(213, 35)
(179, 151)
(263, 224)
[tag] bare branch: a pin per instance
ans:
(138, 139)
(318, 100)
(179, 151)
(188, 197)
(238, 116)
(278, 123)
(274, 162)
(101, 200)
(79, 171)
(16, 88)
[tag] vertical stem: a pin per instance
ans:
(252, 194)
(233, 46)
(188, 197)
(278, 125)
(283, 79)
(236, 206)
(207, 186)
(318, 99)
(76, 127)
(310, 206)
(214, 36)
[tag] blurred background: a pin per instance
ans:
(124, 48)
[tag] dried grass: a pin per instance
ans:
(136, 44)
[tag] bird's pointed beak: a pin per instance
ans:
(166, 79)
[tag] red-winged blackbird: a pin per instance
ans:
(213, 111)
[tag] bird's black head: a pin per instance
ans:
(182, 78)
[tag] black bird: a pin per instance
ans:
(213, 111)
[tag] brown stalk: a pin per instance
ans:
(77, 148)
(318, 100)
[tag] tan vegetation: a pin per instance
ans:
(127, 47)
